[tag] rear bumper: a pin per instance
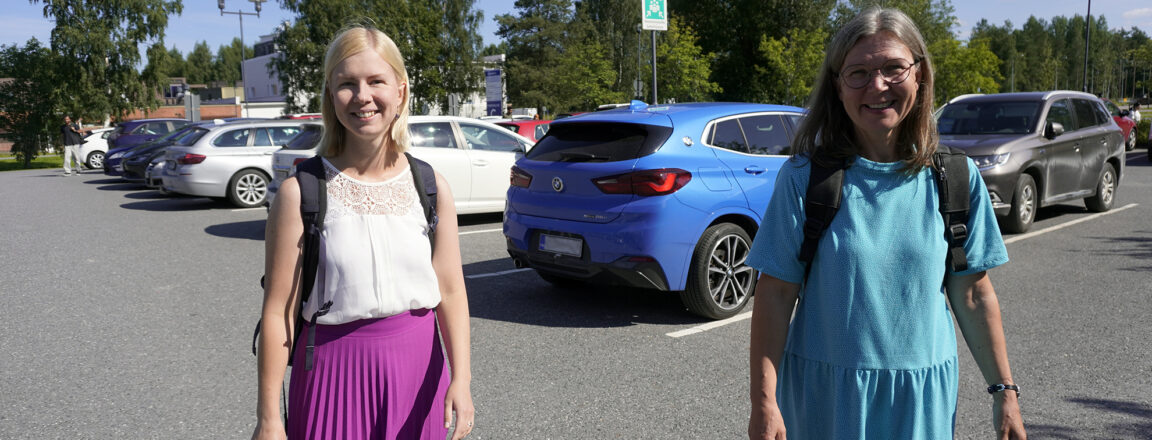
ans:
(188, 183)
(622, 272)
(644, 250)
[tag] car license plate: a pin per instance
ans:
(561, 245)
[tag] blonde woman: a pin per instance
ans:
(379, 370)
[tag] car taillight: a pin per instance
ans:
(659, 182)
(190, 159)
(520, 177)
(298, 160)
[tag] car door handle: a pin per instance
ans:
(480, 162)
(268, 153)
(754, 170)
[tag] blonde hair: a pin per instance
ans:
(828, 135)
(349, 42)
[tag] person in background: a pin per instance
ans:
(70, 136)
(871, 351)
(379, 370)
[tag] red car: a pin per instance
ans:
(533, 129)
(1127, 125)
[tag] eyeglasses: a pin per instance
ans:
(892, 72)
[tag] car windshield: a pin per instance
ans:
(988, 118)
(599, 142)
(307, 139)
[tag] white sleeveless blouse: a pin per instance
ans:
(375, 257)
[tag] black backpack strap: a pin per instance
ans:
(821, 202)
(952, 180)
(424, 177)
(313, 182)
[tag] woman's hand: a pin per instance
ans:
(458, 399)
(1006, 417)
(766, 423)
(266, 432)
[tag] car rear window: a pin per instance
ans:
(308, 138)
(960, 118)
(599, 142)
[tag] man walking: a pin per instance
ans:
(72, 140)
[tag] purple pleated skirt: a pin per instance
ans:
(372, 379)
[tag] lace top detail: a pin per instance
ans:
(347, 196)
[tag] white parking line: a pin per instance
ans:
(248, 209)
(496, 274)
(1065, 225)
(709, 326)
(746, 315)
(481, 231)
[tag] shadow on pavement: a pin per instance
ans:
(123, 186)
(1139, 248)
(108, 181)
(479, 219)
(525, 298)
(178, 204)
(147, 195)
(1139, 428)
(251, 230)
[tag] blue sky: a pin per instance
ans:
(201, 19)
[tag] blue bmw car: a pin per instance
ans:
(662, 197)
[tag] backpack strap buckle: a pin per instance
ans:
(958, 233)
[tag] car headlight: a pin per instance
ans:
(116, 155)
(986, 162)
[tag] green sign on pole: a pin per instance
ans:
(655, 15)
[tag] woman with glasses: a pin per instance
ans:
(871, 352)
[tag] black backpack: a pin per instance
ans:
(823, 200)
(313, 182)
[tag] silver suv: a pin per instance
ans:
(1037, 149)
(232, 161)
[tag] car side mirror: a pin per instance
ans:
(1053, 129)
(1125, 113)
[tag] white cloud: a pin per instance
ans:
(1138, 13)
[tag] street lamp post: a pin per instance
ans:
(241, 14)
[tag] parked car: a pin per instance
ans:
(232, 160)
(131, 133)
(662, 197)
(94, 147)
(474, 156)
(1038, 149)
(533, 129)
(1127, 124)
(113, 161)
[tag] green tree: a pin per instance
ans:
(226, 64)
(934, 18)
(584, 78)
(199, 68)
(421, 29)
(964, 69)
(160, 66)
(27, 102)
(682, 68)
(791, 65)
(734, 30)
(536, 38)
(97, 42)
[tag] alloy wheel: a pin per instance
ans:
(251, 189)
(729, 279)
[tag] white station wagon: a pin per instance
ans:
(474, 156)
(232, 161)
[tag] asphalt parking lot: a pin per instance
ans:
(129, 314)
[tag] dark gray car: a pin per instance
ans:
(1037, 149)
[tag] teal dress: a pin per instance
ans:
(871, 351)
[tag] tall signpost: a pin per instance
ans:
(655, 18)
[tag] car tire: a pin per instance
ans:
(248, 189)
(1105, 191)
(1025, 202)
(719, 280)
(95, 160)
(1130, 141)
(559, 281)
